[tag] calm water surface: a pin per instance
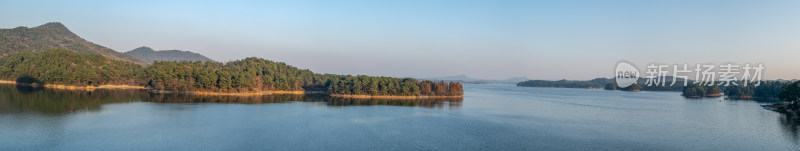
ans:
(489, 117)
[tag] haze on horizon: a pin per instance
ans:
(482, 39)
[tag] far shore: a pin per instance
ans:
(240, 93)
(68, 87)
(205, 93)
(392, 96)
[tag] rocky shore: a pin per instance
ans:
(786, 108)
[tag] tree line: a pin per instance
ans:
(59, 66)
(246, 75)
(765, 90)
(595, 83)
(701, 90)
(608, 84)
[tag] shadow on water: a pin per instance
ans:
(789, 123)
(28, 89)
(19, 99)
(438, 103)
(790, 127)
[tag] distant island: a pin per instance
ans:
(767, 90)
(52, 56)
(603, 83)
(699, 91)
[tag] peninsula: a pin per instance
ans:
(67, 65)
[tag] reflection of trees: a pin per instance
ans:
(439, 103)
(790, 126)
(183, 98)
(55, 102)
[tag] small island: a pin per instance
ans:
(699, 91)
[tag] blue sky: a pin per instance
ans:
(482, 39)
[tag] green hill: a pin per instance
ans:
(58, 66)
(149, 55)
(53, 35)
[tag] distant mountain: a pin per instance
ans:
(466, 79)
(516, 79)
(453, 78)
(149, 55)
(53, 35)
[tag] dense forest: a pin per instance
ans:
(365, 85)
(765, 90)
(699, 90)
(255, 74)
(66, 67)
(790, 92)
(247, 75)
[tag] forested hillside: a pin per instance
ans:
(251, 74)
(256, 74)
(52, 54)
(53, 36)
(66, 67)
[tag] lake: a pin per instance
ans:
(489, 117)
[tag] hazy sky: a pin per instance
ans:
(429, 38)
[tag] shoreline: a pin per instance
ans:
(206, 93)
(391, 96)
(68, 87)
(260, 93)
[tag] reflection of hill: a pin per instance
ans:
(54, 102)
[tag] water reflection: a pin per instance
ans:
(55, 102)
(17, 99)
(181, 98)
(790, 125)
(439, 103)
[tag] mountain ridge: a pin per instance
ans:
(466, 79)
(149, 55)
(53, 35)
